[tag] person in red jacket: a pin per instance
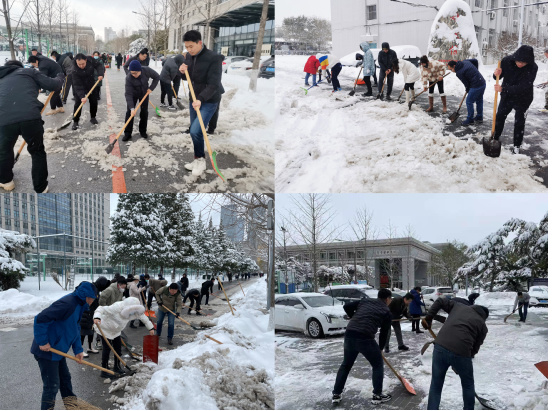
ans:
(311, 68)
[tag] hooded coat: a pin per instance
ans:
(415, 307)
(143, 63)
(311, 66)
(58, 324)
(136, 291)
(111, 295)
(115, 317)
(467, 73)
(367, 315)
(66, 62)
(368, 60)
(119, 59)
(409, 71)
(48, 66)
(518, 82)
(385, 60)
(170, 69)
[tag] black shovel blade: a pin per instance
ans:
(426, 346)
(352, 93)
(65, 125)
(180, 105)
(109, 147)
(454, 117)
(491, 147)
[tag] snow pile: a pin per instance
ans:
(14, 303)
(498, 302)
(238, 374)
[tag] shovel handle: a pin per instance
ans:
(41, 111)
(190, 324)
(390, 366)
(82, 362)
(175, 96)
(86, 97)
(198, 114)
(495, 100)
(462, 102)
(227, 300)
(132, 115)
(109, 345)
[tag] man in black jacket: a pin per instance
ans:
(367, 315)
(456, 344)
(20, 116)
(386, 57)
(83, 81)
(50, 68)
(518, 72)
(66, 63)
(194, 297)
(142, 57)
(205, 288)
(119, 60)
(205, 70)
(170, 74)
(398, 308)
(470, 301)
(136, 87)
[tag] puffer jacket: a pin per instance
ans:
(48, 67)
(367, 315)
(136, 88)
(58, 324)
(409, 71)
(385, 60)
(83, 79)
(518, 82)
(205, 71)
(434, 70)
(467, 73)
(136, 291)
(115, 317)
(170, 69)
(110, 295)
(172, 302)
(368, 60)
(311, 66)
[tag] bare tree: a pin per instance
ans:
(34, 14)
(7, 6)
(391, 265)
(363, 231)
(312, 221)
(257, 58)
(49, 15)
(61, 6)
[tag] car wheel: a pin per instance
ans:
(314, 328)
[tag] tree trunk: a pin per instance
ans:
(6, 11)
(173, 274)
(255, 69)
(133, 269)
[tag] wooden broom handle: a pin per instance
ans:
(82, 362)
(181, 319)
(495, 101)
(132, 115)
(86, 97)
(199, 114)
(109, 345)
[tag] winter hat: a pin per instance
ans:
(472, 297)
(136, 278)
(101, 283)
(384, 45)
(525, 54)
(135, 66)
(482, 311)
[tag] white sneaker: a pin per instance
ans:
(92, 350)
(515, 150)
(85, 354)
(199, 167)
(190, 166)
(172, 107)
(45, 190)
(8, 186)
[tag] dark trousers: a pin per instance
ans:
(67, 87)
(33, 133)
(388, 82)
(170, 319)
(90, 339)
(206, 297)
(416, 323)
(440, 86)
(398, 332)
(166, 90)
(143, 125)
(55, 376)
(176, 84)
(93, 100)
(505, 106)
(442, 360)
(368, 84)
(55, 101)
(335, 73)
(116, 344)
(150, 299)
(370, 349)
(214, 120)
(408, 86)
(523, 314)
(196, 301)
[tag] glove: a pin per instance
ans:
(359, 63)
(177, 315)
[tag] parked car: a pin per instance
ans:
(314, 314)
(243, 66)
(540, 292)
(229, 60)
(405, 52)
(268, 68)
(431, 294)
(354, 292)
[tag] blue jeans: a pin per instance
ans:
(524, 306)
(160, 317)
(370, 349)
(475, 95)
(207, 111)
(307, 79)
(442, 360)
(55, 377)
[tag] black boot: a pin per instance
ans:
(132, 325)
(117, 367)
(105, 374)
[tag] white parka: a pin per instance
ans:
(115, 317)
(409, 71)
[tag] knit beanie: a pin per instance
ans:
(135, 66)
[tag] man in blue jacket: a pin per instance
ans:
(59, 325)
(467, 73)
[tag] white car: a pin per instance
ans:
(243, 66)
(314, 314)
(431, 294)
(540, 292)
(229, 60)
(351, 292)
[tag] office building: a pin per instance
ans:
(233, 225)
(109, 34)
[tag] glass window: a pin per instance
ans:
(371, 12)
(332, 256)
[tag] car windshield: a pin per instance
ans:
(445, 290)
(320, 301)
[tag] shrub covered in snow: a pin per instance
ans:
(11, 270)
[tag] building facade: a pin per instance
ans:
(229, 27)
(83, 218)
(406, 261)
(109, 34)
(409, 23)
(233, 225)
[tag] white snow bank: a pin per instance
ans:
(14, 303)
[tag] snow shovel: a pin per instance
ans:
(454, 116)
(380, 94)
(212, 154)
(352, 93)
(307, 89)
(83, 362)
(491, 146)
(509, 315)
(133, 354)
(70, 120)
(195, 328)
(423, 91)
(400, 95)
(178, 103)
(156, 109)
(110, 146)
(543, 368)
(151, 348)
(24, 142)
(406, 384)
(130, 371)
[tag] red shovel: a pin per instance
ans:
(543, 367)
(406, 384)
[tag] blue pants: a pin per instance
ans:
(160, 317)
(207, 111)
(55, 377)
(475, 95)
(370, 349)
(307, 75)
(523, 315)
(442, 360)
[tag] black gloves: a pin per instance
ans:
(177, 315)
(427, 321)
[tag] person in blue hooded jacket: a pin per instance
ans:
(468, 73)
(369, 66)
(415, 308)
(58, 327)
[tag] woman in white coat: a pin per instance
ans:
(410, 73)
(113, 319)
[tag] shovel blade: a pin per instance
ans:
(491, 147)
(408, 386)
(543, 368)
(215, 166)
(486, 403)
(426, 346)
(157, 112)
(151, 348)
(65, 125)
(352, 93)
(454, 117)
(180, 105)
(109, 147)
(150, 313)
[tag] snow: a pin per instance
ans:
(323, 146)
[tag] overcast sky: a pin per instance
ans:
(309, 8)
(434, 217)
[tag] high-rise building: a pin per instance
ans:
(84, 218)
(109, 34)
(234, 226)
